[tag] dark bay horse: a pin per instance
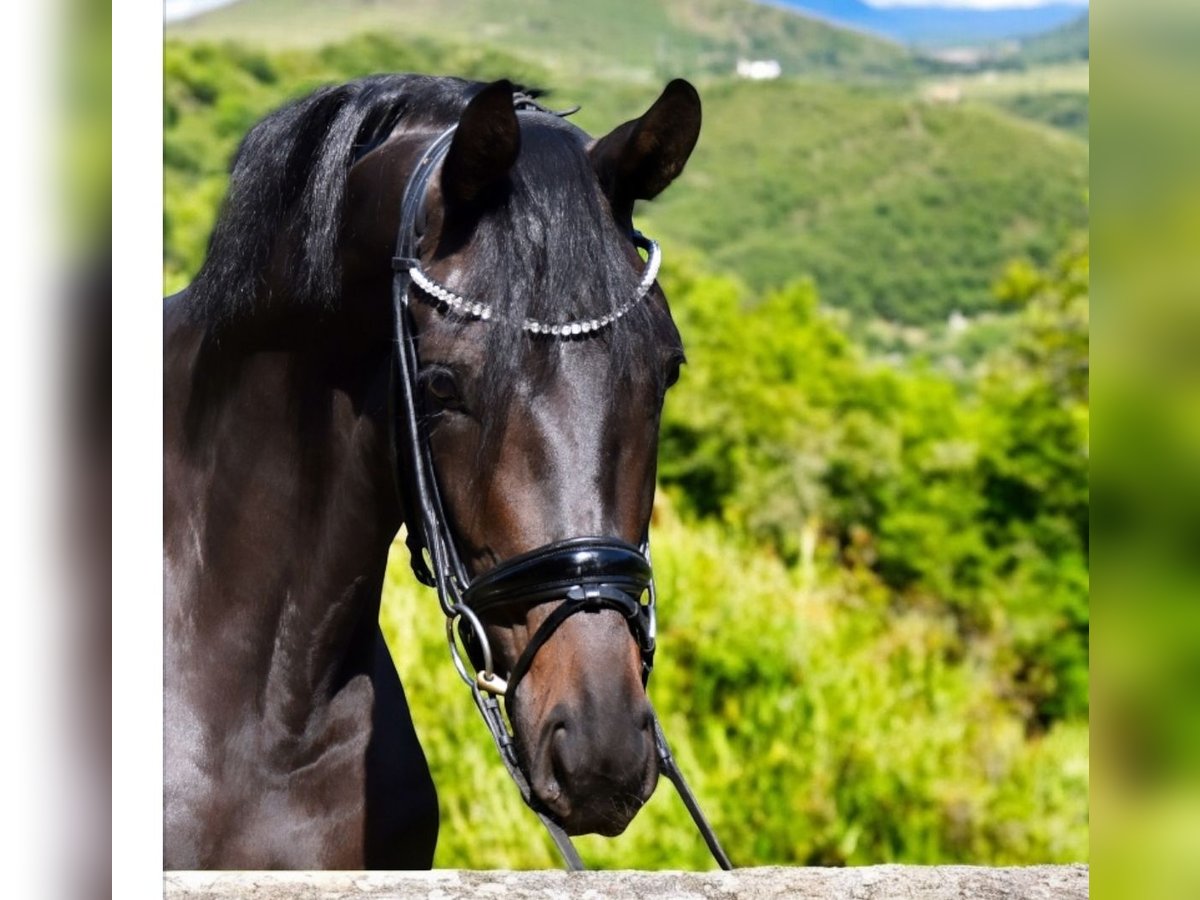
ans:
(288, 741)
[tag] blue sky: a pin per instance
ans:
(975, 4)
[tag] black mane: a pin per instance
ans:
(549, 249)
(289, 179)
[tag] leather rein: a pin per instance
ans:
(586, 573)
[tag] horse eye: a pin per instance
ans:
(442, 390)
(673, 371)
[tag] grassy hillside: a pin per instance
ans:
(1065, 110)
(1067, 43)
(896, 207)
(1054, 94)
(631, 38)
(1063, 49)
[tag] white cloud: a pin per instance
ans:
(173, 10)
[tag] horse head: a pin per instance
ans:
(543, 348)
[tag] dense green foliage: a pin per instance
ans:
(966, 495)
(871, 540)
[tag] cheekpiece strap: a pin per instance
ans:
(423, 509)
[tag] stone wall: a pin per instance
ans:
(866, 883)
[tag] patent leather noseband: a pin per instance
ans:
(546, 573)
(588, 574)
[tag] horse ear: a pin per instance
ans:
(485, 145)
(637, 160)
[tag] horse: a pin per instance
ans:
(538, 350)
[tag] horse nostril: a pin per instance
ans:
(550, 776)
(562, 755)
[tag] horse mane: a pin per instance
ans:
(288, 179)
(561, 254)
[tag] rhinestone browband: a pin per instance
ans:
(482, 311)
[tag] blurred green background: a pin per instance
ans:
(1147, 706)
(871, 535)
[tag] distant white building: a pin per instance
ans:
(944, 92)
(967, 57)
(759, 69)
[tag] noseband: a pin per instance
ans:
(588, 574)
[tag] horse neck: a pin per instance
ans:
(279, 509)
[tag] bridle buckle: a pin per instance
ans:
(491, 683)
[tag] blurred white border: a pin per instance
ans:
(137, 450)
(34, 707)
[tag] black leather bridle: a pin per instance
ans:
(586, 573)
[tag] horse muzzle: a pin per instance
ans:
(585, 734)
(593, 764)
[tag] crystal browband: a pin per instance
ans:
(482, 311)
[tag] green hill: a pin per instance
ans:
(1053, 94)
(632, 38)
(1062, 48)
(896, 207)
(1067, 43)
